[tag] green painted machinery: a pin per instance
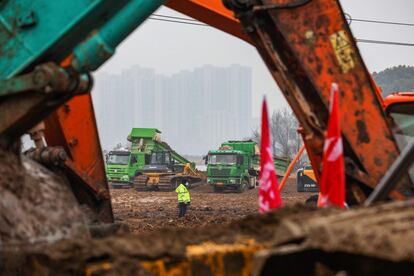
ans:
(122, 166)
(235, 166)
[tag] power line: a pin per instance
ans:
(181, 22)
(382, 22)
(360, 40)
(175, 17)
(347, 14)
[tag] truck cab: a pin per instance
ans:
(235, 166)
(122, 166)
(230, 169)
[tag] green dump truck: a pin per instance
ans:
(235, 166)
(122, 166)
(140, 166)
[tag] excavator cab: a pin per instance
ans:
(306, 180)
(162, 172)
(400, 111)
(402, 115)
(163, 161)
(160, 160)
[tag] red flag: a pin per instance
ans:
(269, 196)
(332, 186)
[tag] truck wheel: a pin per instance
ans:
(243, 186)
(312, 200)
(217, 189)
(253, 185)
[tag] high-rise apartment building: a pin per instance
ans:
(196, 110)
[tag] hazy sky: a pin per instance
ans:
(171, 47)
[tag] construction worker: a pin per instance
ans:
(183, 198)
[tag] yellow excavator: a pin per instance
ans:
(306, 180)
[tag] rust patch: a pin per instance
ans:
(378, 161)
(322, 21)
(319, 68)
(363, 136)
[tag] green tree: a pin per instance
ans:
(395, 79)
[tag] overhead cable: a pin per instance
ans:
(182, 20)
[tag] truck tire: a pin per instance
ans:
(243, 186)
(254, 184)
(312, 200)
(217, 189)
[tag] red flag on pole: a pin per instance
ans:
(269, 196)
(332, 185)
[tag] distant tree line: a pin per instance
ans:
(395, 79)
(286, 141)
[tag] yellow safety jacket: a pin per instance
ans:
(182, 194)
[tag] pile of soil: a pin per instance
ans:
(36, 206)
(363, 241)
(125, 252)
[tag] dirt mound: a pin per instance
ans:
(36, 206)
(370, 240)
(220, 231)
(323, 242)
(74, 256)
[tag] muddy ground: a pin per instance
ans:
(148, 211)
(359, 241)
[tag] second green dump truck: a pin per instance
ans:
(235, 166)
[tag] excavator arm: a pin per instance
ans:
(307, 46)
(213, 13)
(47, 51)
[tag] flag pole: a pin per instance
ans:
(269, 196)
